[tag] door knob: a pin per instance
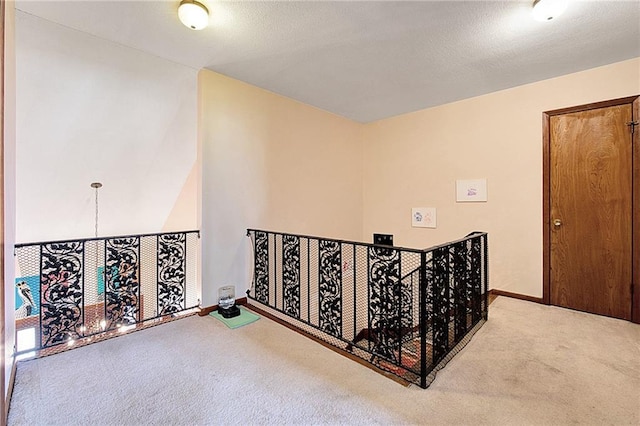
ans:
(557, 222)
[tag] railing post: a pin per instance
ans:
(475, 262)
(41, 296)
(423, 319)
(140, 314)
(275, 270)
(355, 291)
(485, 266)
(158, 313)
(369, 296)
(308, 280)
(185, 257)
(84, 296)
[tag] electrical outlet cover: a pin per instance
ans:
(423, 217)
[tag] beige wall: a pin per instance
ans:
(273, 163)
(413, 160)
(184, 214)
(270, 162)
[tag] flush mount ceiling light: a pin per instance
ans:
(546, 10)
(193, 14)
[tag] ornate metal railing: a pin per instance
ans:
(67, 291)
(405, 311)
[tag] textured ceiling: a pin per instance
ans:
(368, 60)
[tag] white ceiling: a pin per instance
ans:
(368, 60)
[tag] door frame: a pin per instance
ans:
(4, 406)
(546, 197)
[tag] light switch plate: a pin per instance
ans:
(423, 217)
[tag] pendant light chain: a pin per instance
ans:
(96, 212)
(96, 186)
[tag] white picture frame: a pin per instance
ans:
(471, 190)
(423, 217)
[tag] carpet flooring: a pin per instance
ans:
(530, 364)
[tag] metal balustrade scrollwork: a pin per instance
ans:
(72, 290)
(330, 289)
(405, 311)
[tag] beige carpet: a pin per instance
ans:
(529, 364)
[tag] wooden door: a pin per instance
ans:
(591, 209)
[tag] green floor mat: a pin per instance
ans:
(245, 317)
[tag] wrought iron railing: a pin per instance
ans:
(70, 291)
(405, 311)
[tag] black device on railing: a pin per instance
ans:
(87, 287)
(405, 311)
(383, 239)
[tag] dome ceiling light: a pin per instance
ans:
(546, 10)
(193, 14)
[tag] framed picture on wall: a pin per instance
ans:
(471, 190)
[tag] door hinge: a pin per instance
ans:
(633, 124)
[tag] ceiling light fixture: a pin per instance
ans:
(193, 14)
(546, 10)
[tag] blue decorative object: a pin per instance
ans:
(33, 282)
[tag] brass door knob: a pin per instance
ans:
(557, 222)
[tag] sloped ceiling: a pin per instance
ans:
(367, 60)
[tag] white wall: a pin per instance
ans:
(9, 190)
(92, 110)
